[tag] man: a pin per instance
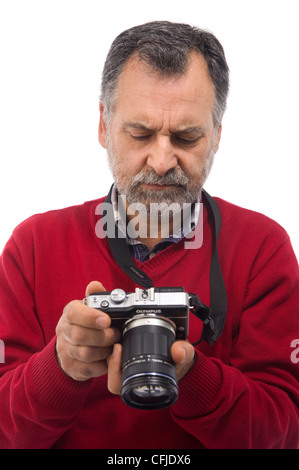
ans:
(164, 93)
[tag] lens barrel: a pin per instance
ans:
(149, 375)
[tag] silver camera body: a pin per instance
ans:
(171, 303)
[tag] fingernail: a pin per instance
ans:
(184, 354)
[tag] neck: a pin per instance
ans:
(152, 228)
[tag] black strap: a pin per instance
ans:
(213, 317)
(218, 298)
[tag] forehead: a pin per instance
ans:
(146, 96)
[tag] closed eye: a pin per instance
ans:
(141, 137)
(183, 141)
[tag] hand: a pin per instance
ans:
(84, 339)
(182, 353)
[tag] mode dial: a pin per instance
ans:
(118, 296)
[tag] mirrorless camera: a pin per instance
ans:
(150, 321)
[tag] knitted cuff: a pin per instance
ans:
(199, 389)
(52, 387)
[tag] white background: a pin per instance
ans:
(51, 58)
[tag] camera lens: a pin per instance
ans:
(149, 376)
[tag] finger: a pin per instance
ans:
(78, 369)
(76, 313)
(81, 336)
(89, 354)
(93, 287)
(183, 355)
(182, 351)
(115, 370)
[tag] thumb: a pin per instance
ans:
(114, 369)
(93, 287)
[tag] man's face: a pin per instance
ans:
(161, 140)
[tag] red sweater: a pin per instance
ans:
(242, 391)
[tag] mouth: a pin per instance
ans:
(160, 187)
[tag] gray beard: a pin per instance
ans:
(183, 189)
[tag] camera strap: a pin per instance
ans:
(214, 324)
(213, 317)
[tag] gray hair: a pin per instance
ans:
(166, 47)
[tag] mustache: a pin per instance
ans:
(172, 177)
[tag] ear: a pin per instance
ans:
(218, 138)
(102, 130)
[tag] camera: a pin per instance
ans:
(150, 320)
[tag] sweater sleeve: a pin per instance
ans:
(38, 401)
(253, 401)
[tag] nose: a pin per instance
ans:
(162, 157)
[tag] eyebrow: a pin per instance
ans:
(187, 130)
(138, 126)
